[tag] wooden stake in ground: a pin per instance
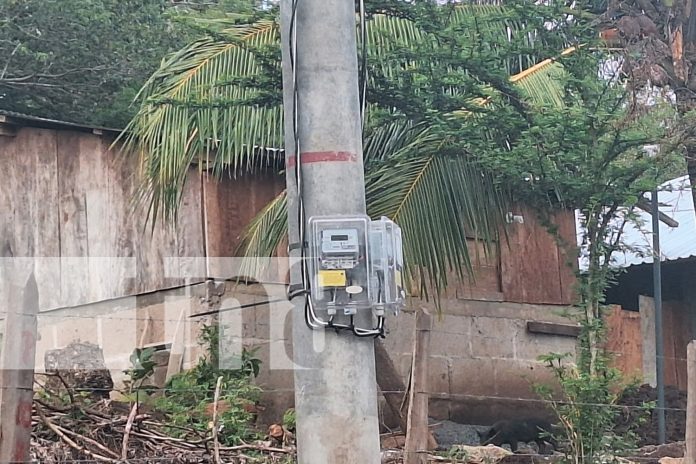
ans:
(690, 457)
(417, 427)
(17, 375)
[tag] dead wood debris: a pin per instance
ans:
(103, 433)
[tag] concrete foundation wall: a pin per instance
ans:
(482, 357)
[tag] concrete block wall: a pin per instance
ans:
(482, 358)
(483, 361)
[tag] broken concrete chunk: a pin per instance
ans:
(81, 366)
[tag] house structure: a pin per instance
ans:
(634, 290)
(106, 277)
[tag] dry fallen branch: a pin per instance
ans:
(88, 440)
(70, 442)
(126, 434)
(270, 449)
(106, 432)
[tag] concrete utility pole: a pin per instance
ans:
(17, 376)
(335, 388)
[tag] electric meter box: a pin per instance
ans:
(339, 263)
(386, 255)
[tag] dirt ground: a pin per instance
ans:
(675, 414)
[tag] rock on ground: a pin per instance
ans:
(448, 434)
(81, 366)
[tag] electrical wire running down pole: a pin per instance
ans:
(335, 387)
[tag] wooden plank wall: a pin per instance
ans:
(232, 204)
(534, 268)
(676, 325)
(65, 194)
(484, 283)
(626, 341)
(528, 267)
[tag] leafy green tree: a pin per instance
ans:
(432, 70)
(85, 60)
(80, 60)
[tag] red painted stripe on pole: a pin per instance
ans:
(323, 157)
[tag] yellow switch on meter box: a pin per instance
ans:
(334, 278)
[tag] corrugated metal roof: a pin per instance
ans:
(678, 242)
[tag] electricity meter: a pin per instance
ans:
(387, 266)
(339, 263)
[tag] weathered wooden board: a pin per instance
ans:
(676, 329)
(230, 205)
(567, 256)
(534, 269)
(73, 181)
(552, 328)
(625, 342)
(66, 197)
(484, 282)
(190, 231)
(120, 178)
(28, 213)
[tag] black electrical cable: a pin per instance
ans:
(244, 306)
(363, 62)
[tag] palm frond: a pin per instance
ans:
(440, 203)
(195, 110)
(397, 140)
(541, 83)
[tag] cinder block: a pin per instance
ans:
(513, 379)
(439, 408)
(493, 337)
(439, 379)
(452, 325)
(472, 377)
(531, 346)
(399, 344)
(517, 379)
(281, 355)
(471, 411)
(400, 332)
(499, 327)
(450, 337)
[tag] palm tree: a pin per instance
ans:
(217, 103)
